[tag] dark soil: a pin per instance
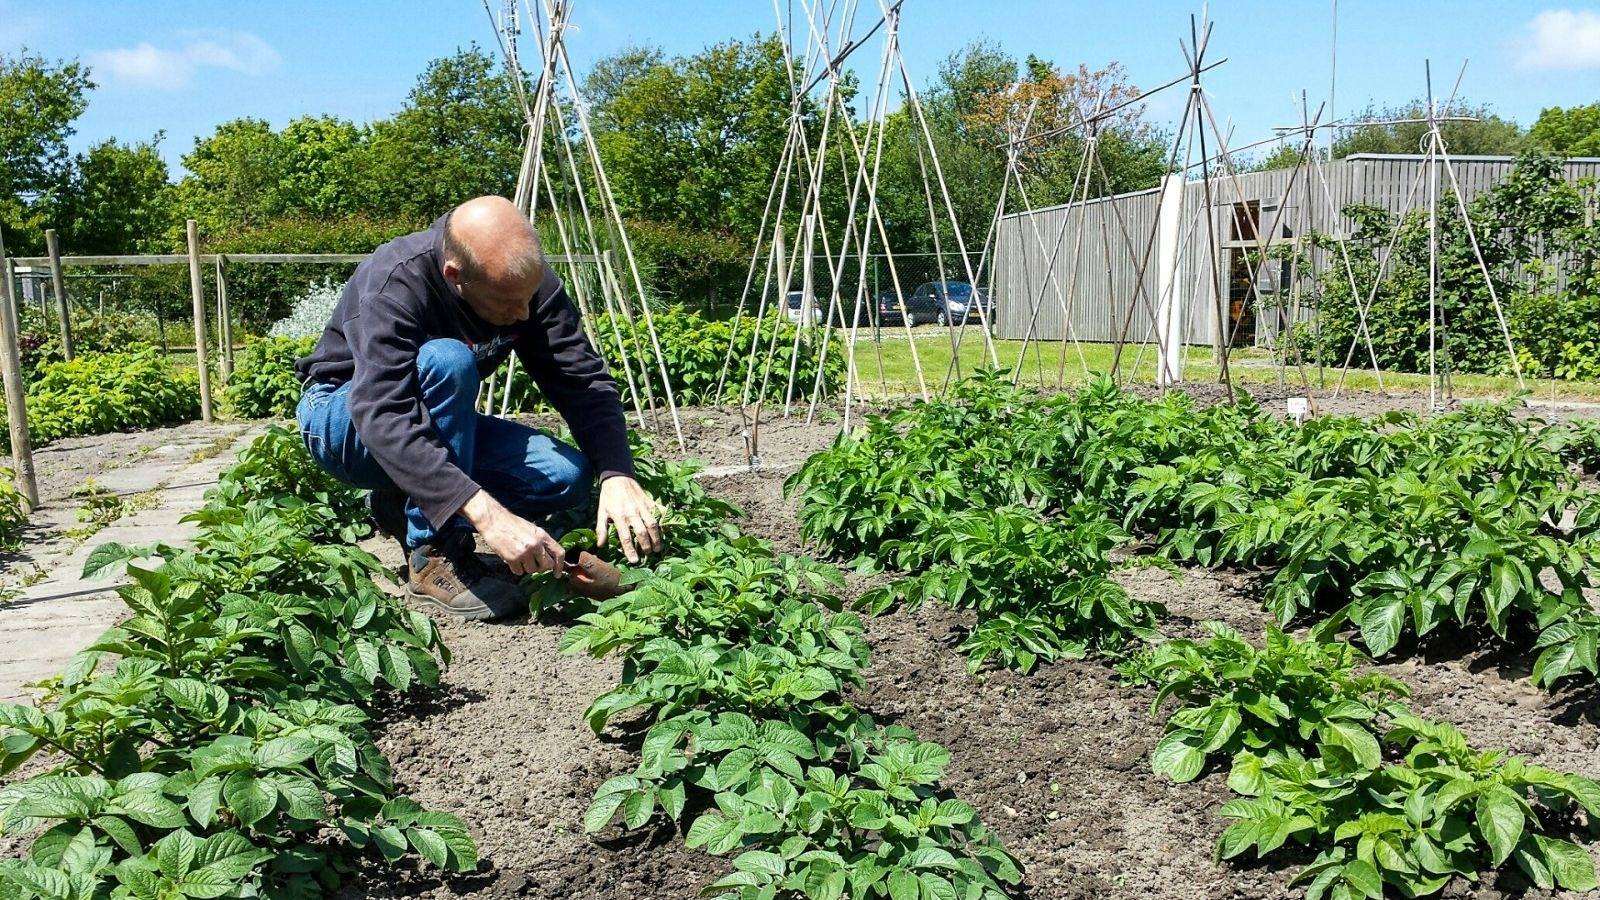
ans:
(1057, 761)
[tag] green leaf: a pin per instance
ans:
(1381, 622)
(430, 846)
(600, 811)
(760, 861)
(176, 852)
(1176, 757)
(205, 799)
(638, 808)
(390, 841)
(1500, 819)
(1354, 737)
(1570, 865)
(104, 557)
(250, 798)
(286, 751)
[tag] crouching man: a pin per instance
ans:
(390, 406)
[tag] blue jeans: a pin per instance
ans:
(527, 470)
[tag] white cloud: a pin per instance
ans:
(145, 65)
(1561, 39)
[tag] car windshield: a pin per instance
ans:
(794, 301)
(958, 289)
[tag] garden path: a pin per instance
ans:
(48, 611)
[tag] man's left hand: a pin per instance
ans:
(636, 514)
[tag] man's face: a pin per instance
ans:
(500, 302)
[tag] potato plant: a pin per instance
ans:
(1306, 734)
(99, 393)
(1441, 812)
(213, 742)
(1234, 698)
(1394, 525)
(1041, 586)
(738, 660)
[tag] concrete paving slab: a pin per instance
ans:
(61, 612)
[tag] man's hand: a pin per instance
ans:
(524, 546)
(635, 513)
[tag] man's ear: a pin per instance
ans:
(452, 271)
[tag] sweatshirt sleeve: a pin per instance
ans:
(387, 409)
(568, 371)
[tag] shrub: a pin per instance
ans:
(311, 312)
(98, 393)
(264, 384)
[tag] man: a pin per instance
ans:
(389, 406)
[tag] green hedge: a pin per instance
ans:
(264, 385)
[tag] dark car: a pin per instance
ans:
(919, 308)
(953, 301)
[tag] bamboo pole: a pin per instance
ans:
(59, 284)
(16, 401)
(198, 293)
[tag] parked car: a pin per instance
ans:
(918, 308)
(796, 309)
(953, 301)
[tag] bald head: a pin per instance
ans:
(490, 239)
(492, 256)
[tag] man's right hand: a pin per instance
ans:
(524, 546)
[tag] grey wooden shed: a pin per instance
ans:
(1079, 263)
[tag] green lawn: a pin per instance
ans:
(886, 368)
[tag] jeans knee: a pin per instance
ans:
(576, 479)
(447, 363)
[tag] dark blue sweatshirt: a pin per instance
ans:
(398, 300)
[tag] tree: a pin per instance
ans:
(1489, 136)
(1572, 131)
(323, 171)
(117, 200)
(458, 136)
(694, 140)
(39, 101)
(235, 176)
(965, 143)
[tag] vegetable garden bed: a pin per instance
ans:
(1058, 761)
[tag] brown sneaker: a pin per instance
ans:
(455, 581)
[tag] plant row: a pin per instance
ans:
(1332, 760)
(736, 665)
(1396, 525)
(1322, 757)
(217, 742)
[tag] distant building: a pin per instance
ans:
(1100, 247)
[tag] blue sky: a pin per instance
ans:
(183, 66)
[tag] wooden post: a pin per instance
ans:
(224, 319)
(197, 289)
(11, 370)
(60, 285)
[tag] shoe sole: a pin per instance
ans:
(484, 615)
